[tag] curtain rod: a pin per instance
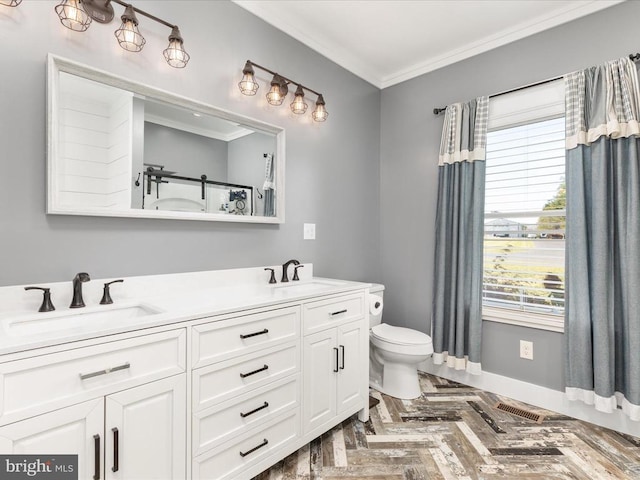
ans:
(437, 111)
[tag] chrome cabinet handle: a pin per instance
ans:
(245, 375)
(261, 407)
(264, 442)
(96, 453)
(249, 335)
(84, 376)
(338, 312)
(116, 444)
(335, 370)
(342, 349)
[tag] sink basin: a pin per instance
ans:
(306, 286)
(91, 317)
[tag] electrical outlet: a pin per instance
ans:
(309, 231)
(526, 350)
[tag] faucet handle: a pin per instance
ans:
(47, 305)
(273, 275)
(295, 272)
(106, 294)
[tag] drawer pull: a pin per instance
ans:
(84, 376)
(245, 375)
(338, 312)
(255, 410)
(116, 448)
(336, 352)
(342, 349)
(96, 461)
(264, 443)
(255, 334)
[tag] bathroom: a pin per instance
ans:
(363, 177)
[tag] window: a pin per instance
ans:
(524, 230)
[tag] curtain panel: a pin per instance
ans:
(602, 316)
(457, 304)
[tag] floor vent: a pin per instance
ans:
(520, 412)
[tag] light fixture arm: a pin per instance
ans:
(142, 12)
(288, 80)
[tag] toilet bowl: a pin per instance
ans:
(394, 353)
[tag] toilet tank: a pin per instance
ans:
(377, 290)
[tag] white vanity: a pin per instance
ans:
(214, 375)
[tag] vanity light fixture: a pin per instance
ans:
(280, 89)
(77, 15)
(10, 3)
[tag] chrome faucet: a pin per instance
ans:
(78, 280)
(285, 277)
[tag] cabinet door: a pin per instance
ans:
(150, 440)
(352, 374)
(319, 383)
(68, 430)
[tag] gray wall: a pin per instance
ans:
(187, 154)
(323, 160)
(410, 137)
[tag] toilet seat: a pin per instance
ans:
(399, 335)
(401, 340)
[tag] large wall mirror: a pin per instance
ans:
(125, 149)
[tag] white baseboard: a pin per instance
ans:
(536, 395)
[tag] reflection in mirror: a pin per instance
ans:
(117, 148)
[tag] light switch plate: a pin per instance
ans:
(309, 231)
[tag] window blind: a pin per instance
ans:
(525, 218)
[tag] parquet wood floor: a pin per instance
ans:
(454, 432)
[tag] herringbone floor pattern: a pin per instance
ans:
(455, 432)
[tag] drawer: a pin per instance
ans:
(233, 459)
(238, 415)
(42, 383)
(328, 313)
(217, 341)
(221, 381)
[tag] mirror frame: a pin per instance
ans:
(56, 64)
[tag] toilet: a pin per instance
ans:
(394, 352)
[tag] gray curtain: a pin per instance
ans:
(457, 296)
(602, 316)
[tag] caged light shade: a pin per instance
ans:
(174, 54)
(73, 16)
(299, 106)
(320, 114)
(10, 3)
(248, 85)
(278, 92)
(128, 35)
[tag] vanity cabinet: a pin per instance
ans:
(335, 361)
(221, 397)
(119, 418)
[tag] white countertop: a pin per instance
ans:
(176, 297)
